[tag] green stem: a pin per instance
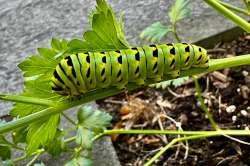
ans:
(175, 132)
(239, 10)
(38, 152)
(70, 139)
(17, 147)
(174, 141)
(229, 14)
(26, 120)
(157, 155)
(19, 159)
(203, 106)
(214, 64)
(175, 33)
(247, 4)
(69, 119)
(34, 159)
(25, 99)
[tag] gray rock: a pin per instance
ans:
(104, 156)
(28, 24)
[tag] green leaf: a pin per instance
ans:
(33, 66)
(5, 152)
(93, 119)
(176, 82)
(7, 163)
(179, 11)
(2, 122)
(106, 34)
(42, 132)
(58, 45)
(80, 161)
(57, 146)
(38, 70)
(3, 141)
(38, 87)
(84, 137)
(247, 3)
(19, 135)
(155, 32)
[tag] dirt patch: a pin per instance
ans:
(226, 94)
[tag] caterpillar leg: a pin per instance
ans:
(157, 79)
(206, 65)
(174, 74)
(120, 87)
(140, 82)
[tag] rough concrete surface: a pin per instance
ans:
(28, 24)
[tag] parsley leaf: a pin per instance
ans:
(40, 133)
(93, 119)
(179, 11)
(155, 32)
(106, 34)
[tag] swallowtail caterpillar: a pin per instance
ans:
(79, 73)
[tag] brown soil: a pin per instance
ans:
(227, 95)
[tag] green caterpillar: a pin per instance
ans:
(79, 73)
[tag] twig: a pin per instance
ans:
(115, 101)
(33, 160)
(69, 119)
(237, 140)
(229, 14)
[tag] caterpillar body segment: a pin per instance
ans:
(79, 73)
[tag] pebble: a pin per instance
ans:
(193, 113)
(205, 101)
(234, 118)
(244, 113)
(178, 124)
(245, 73)
(231, 109)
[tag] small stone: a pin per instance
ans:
(234, 118)
(244, 113)
(193, 113)
(183, 119)
(231, 109)
(245, 73)
(244, 91)
(247, 81)
(205, 101)
(238, 90)
(178, 124)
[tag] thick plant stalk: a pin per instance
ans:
(216, 64)
(239, 10)
(28, 100)
(229, 14)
